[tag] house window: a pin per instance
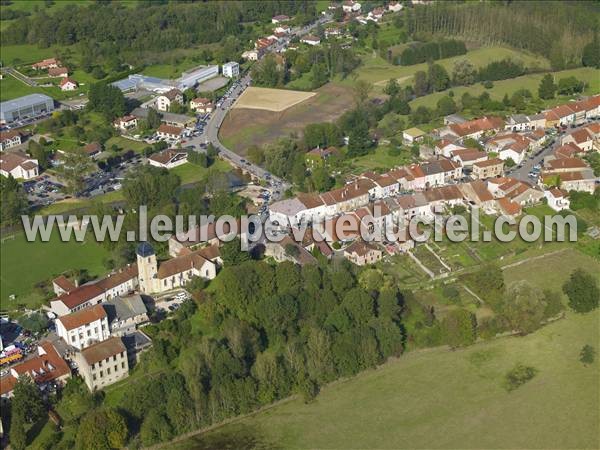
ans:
(114, 357)
(123, 365)
(89, 333)
(108, 370)
(94, 377)
(73, 338)
(101, 374)
(116, 368)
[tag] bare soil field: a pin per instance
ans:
(271, 99)
(244, 126)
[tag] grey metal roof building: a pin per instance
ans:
(28, 106)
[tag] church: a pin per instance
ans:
(155, 278)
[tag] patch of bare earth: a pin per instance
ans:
(244, 127)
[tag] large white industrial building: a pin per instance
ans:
(23, 107)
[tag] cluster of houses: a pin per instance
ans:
(101, 341)
(55, 69)
(418, 190)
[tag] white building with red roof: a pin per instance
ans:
(19, 166)
(68, 84)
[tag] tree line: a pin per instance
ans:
(557, 30)
(430, 51)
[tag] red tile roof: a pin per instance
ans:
(83, 317)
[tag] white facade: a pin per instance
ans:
(84, 335)
(231, 70)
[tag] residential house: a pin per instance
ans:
(519, 192)
(125, 314)
(521, 122)
(68, 84)
(445, 148)
(394, 6)
(62, 285)
(120, 282)
(413, 135)
(126, 122)
(347, 198)
(201, 105)
(332, 31)
(164, 101)
(289, 250)
(477, 194)
(515, 150)
(454, 119)
(169, 132)
(488, 169)
(168, 159)
(362, 253)
(582, 138)
(310, 40)
(103, 363)
(9, 139)
(282, 28)
(46, 367)
(509, 208)
(468, 156)
(92, 149)
(475, 128)
(578, 180)
(317, 157)
(385, 185)
(83, 328)
(250, 55)
(19, 166)
(376, 14)
(564, 165)
(558, 199)
(77, 299)
(434, 173)
(350, 6)
(569, 150)
(279, 19)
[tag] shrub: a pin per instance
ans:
(587, 354)
(518, 376)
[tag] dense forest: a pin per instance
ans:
(558, 30)
(431, 51)
(151, 26)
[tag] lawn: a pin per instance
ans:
(531, 82)
(380, 159)
(26, 263)
(191, 173)
(125, 144)
(11, 88)
(445, 399)
(378, 71)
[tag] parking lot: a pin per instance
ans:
(44, 190)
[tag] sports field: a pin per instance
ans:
(439, 398)
(23, 264)
(276, 100)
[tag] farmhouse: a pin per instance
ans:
(18, 165)
(68, 84)
(83, 328)
(168, 159)
(201, 105)
(468, 156)
(9, 139)
(58, 72)
(50, 63)
(164, 101)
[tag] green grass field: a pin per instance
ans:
(378, 71)
(445, 399)
(531, 82)
(125, 144)
(438, 398)
(191, 173)
(11, 88)
(26, 263)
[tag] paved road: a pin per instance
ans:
(522, 173)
